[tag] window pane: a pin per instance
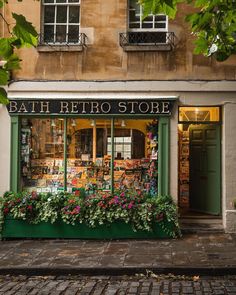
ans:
(73, 34)
(147, 25)
(42, 150)
(133, 5)
(49, 14)
(88, 152)
(133, 17)
(73, 1)
(160, 18)
(61, 34)
(160, 25)
(149, 18)
(136, 155)
(61, 14)
(60, 1)
(48, 34)
(134, 25)
(48, 1)
(74, 14)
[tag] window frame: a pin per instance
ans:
(141, 29)
(163, 152)
(55, 4)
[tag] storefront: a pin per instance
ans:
(177, 139)
(93, 144)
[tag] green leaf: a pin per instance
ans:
(4, 77)
(24, 30)
(222, 56)
(3, 96)
(13, 63)
(6, 47)
(201, 46)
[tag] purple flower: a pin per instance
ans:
(116, 199)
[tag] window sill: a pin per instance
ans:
(144, 47)
(59, 48)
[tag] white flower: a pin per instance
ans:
(213, 49)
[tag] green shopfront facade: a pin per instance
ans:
(113, 135)
(91, 144)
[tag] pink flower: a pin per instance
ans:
(130, 205)
(122, 194)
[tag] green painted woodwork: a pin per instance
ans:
(163, 155)
(15, 154)
(205, 167)
(65, 154)
(112, 155)
(118, 230)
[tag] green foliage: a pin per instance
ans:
(141, 211)
(23, 34)
(168, 7)
(213, 25)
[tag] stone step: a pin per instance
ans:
(189, 225)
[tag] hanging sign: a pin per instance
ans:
(91, 107)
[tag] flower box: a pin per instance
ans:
(14, 228)
(97, 216)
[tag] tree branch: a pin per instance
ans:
(7, 24)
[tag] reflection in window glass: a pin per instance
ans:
(42, 150)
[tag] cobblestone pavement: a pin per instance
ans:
(141, 285)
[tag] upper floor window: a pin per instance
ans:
(61, 21)
(151, 22)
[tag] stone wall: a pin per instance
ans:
(104, 59)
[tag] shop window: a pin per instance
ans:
(199, 114)
(42, 150)
(94, 152)
(61, 23)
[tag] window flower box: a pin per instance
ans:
(15, 228)
(98, 216)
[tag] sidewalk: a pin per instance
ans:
(203, 254)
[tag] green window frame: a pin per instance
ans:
(163, 154)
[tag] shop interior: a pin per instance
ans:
(87, 159)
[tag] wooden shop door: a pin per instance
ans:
(205, 165)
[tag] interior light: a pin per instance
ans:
(196, 110)
(92, 123)
(53, 124)
(123, 124)
(73, 123)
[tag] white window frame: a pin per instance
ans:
(140, 29)
(56, 5)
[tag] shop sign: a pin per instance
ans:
(91, 107)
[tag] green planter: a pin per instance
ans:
(14, 228)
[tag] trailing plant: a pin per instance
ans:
(140, 210)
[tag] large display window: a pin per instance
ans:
(60, 154)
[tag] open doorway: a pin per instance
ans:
(199, 161)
